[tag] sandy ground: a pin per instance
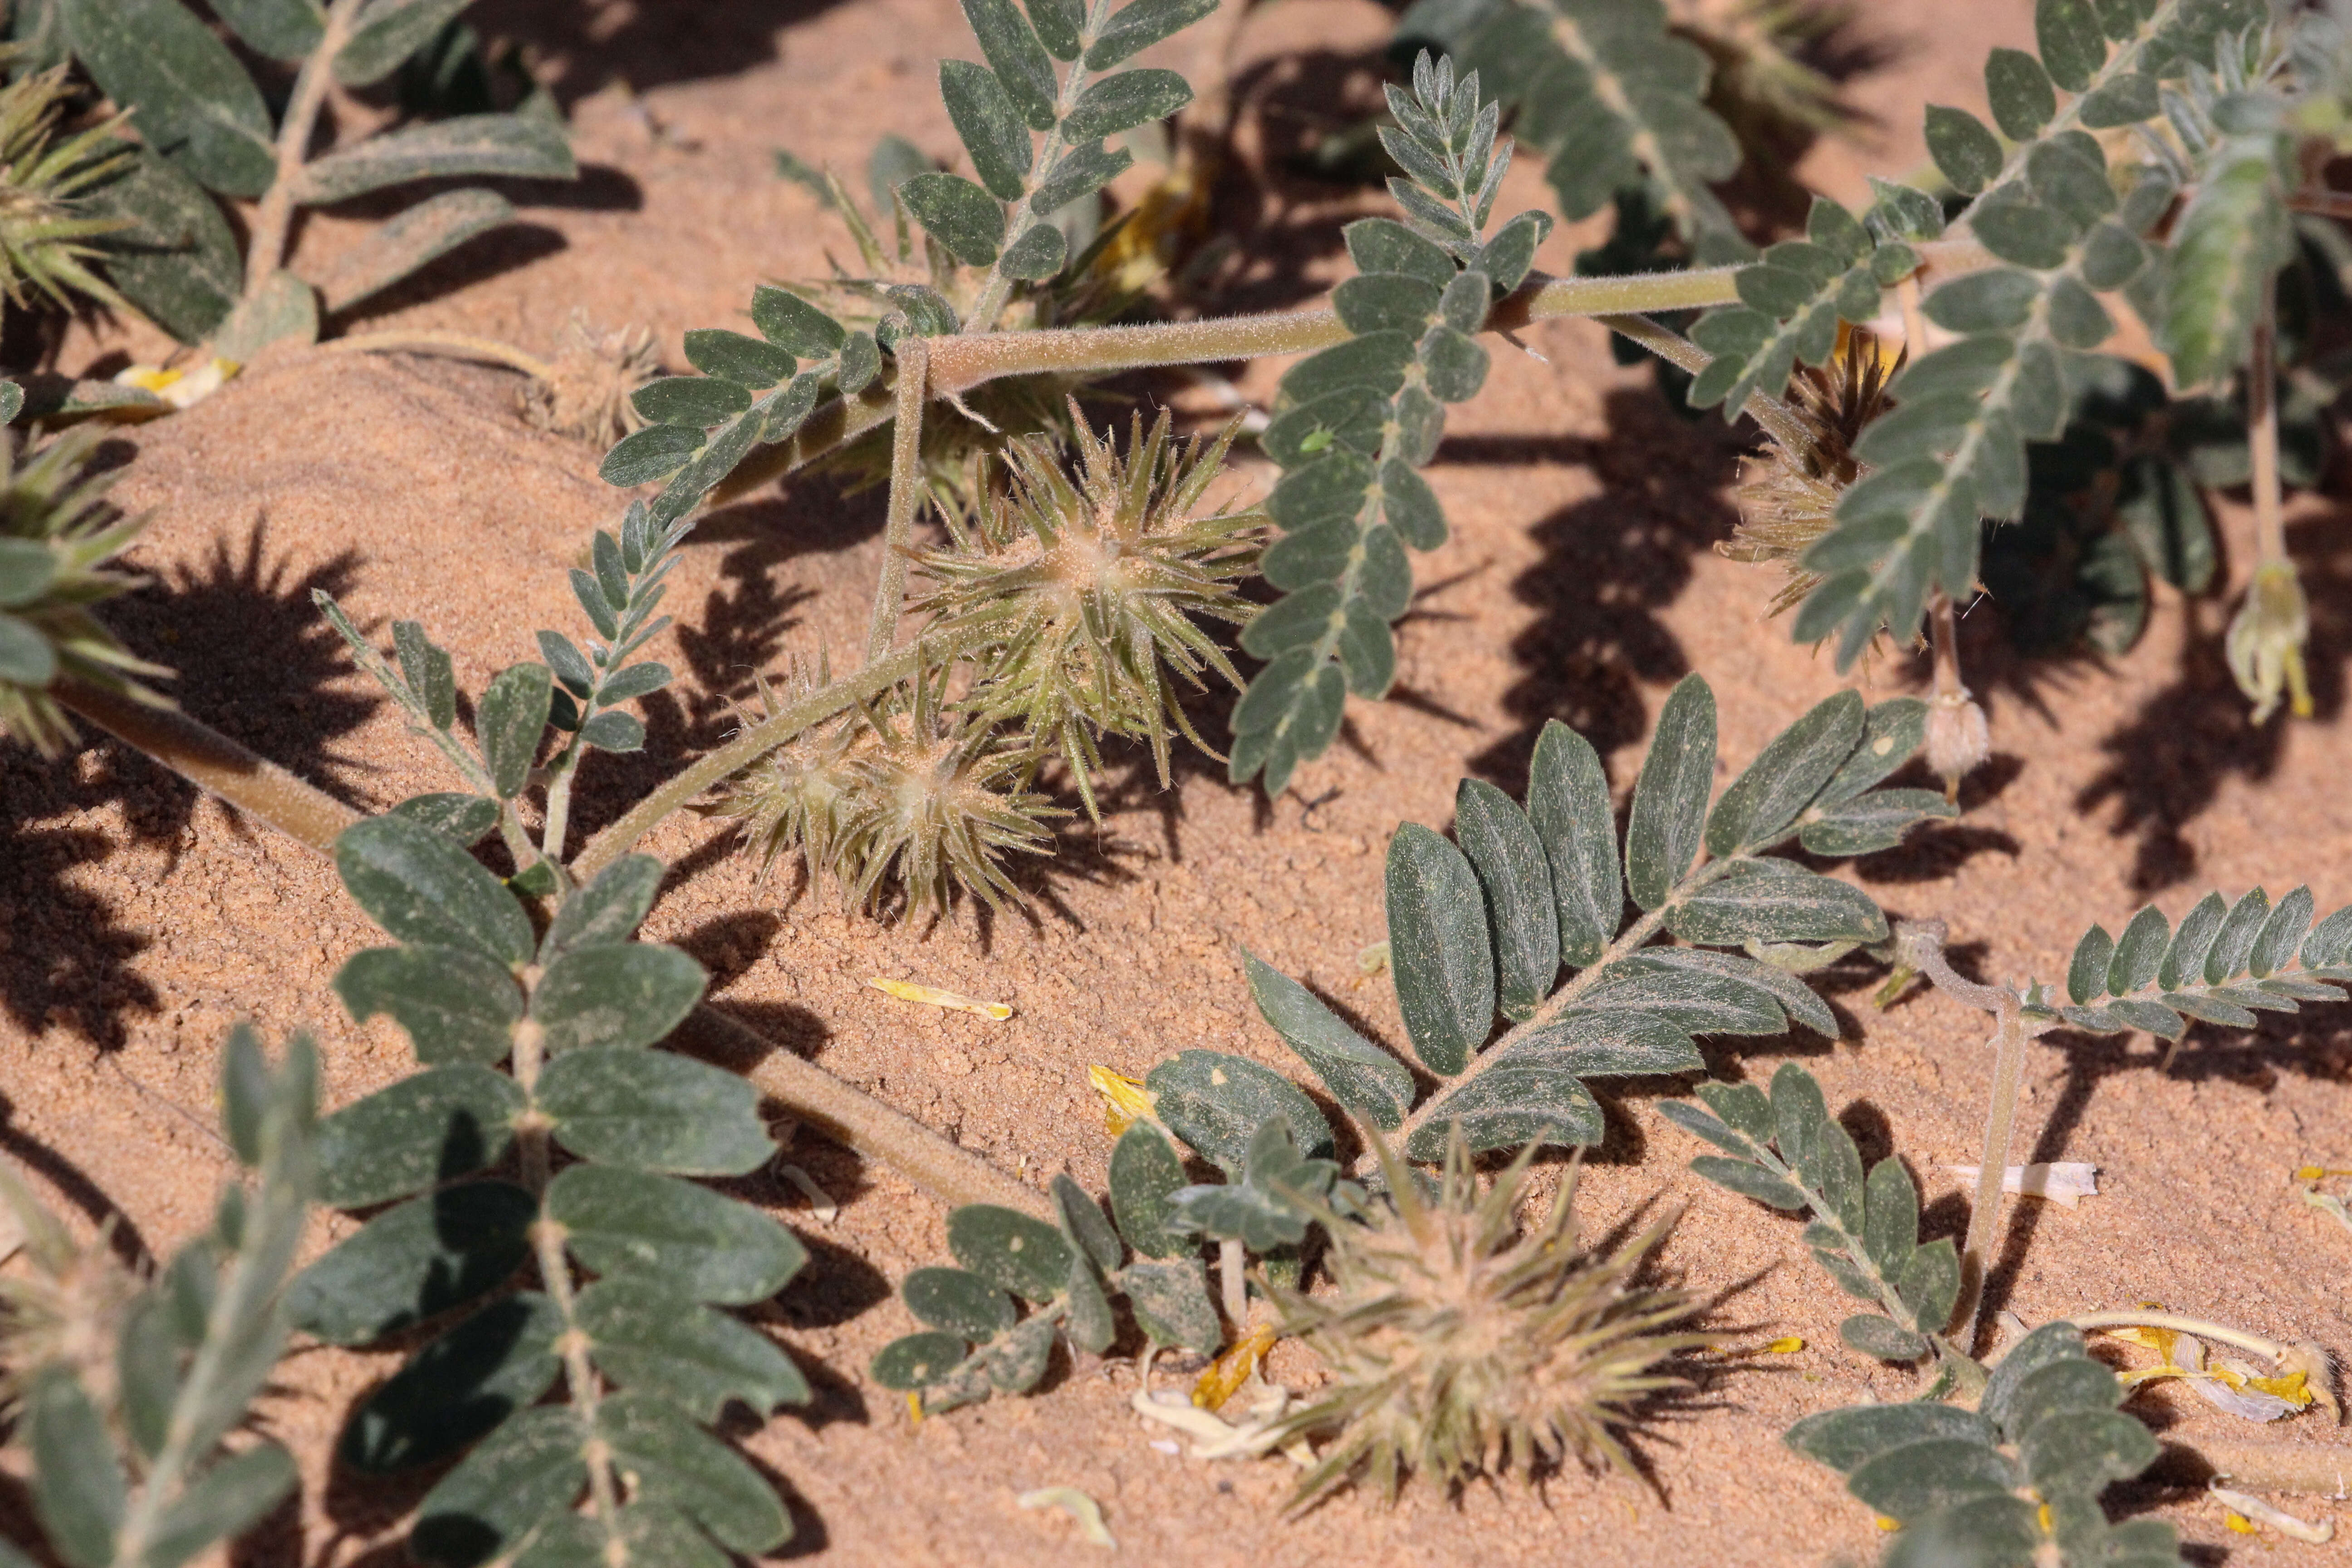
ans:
(137, 922)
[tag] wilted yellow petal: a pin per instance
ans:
(2289, 1388)
(2237, 1521)
(931, 996)
(1125, 1100)
(1888, 1525)
(1232, 1369)
(1787, 1344)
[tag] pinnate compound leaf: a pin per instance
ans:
(1662, 832)
(1216, 1102)
(192, 102)
(455, 1004)
(413, 1262)
(435, 1126)
(457, 1387)
(2236, 232)
(518, 146)
(650, 1110)
(644, 1336)
(617, 997)
(531, 1468)
(687, 1238)
(425, 889)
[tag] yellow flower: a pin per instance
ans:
(1125, 1100)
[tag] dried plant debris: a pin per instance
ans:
(591, 382)
(132, 1394)
(1458, 1341)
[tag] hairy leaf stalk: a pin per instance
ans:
(906, 499)
(275, 217)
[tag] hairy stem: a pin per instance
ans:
(220, 766)
(906, 500)
(741, 752)
(214, 763)
(2140, 1317)
(2309, 1469)
(266, 252)
(455, 345)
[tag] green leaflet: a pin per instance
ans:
(2234, 234)
(517, 146)
(458, 1387)
(650, 1110)
(413, 1262)
(178, 261)
(703, 1246)
(1439, 949)
(1662, 831)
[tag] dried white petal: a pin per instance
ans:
(1078, 1506)
(2066, 1182)
(2261, 1512)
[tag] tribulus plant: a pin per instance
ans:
(131, 1394)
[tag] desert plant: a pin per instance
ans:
(131, 1393)
(207, 131)
(642, 1351)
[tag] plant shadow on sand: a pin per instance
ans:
(257, 663)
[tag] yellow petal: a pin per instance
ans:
(1125, 1100)
(1787, 1344)
(932, 996)
(2289, 1388)
(1231, 1369)
(2237, 1521)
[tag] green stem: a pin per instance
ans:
(906, 500)
(272, 220)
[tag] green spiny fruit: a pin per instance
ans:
(44, 250)
(1078, 588)
(1457, 1341)
(909, 790)
(57, 534)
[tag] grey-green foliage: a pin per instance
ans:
(1353, 423)
(754, 391)
(2225, 963)
(1793, 298)
(1067, 1273)
(1786, 1150)
(206, 127)
(1034, 121)
(1957, 1481)
(128, 1418)
(1609, 95)
(459, 1150)
(1486, 926)
(580, 691)
(2065, 227)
